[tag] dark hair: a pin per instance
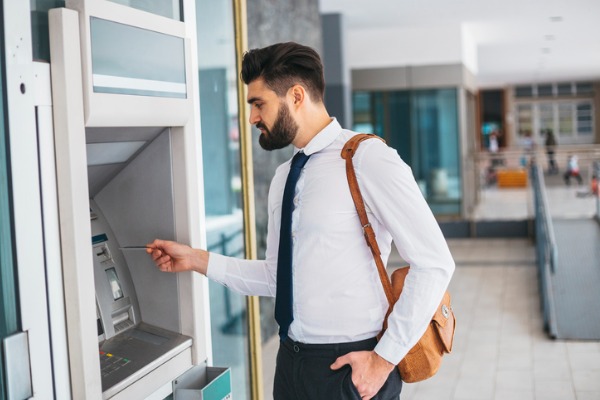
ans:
(284, 65)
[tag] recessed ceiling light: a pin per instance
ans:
(557, 18)
(549, 37)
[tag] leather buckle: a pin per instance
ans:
(364, 228)
(445, 311)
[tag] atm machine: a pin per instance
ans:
(137, 306)
(128, 170)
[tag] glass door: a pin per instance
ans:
(219, 118)
(9, 316)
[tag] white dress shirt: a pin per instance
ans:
(337, 293)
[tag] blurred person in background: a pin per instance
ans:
(550, 144)
(572, 170)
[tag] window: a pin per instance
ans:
(546, 113)
(572, 121)
(564, 89)
(565, 119)
(422, 125)
(584, 118)
(222, 183)
(9, 310)
(584, 88)
(39, 27)
(524, 91)
(545, 90)
(524, 119)
(362, 112)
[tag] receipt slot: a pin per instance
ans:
(128, 171)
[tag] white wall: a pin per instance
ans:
(442, 44)
(469, 49)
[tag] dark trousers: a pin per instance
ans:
(303, 373)
(567, 176)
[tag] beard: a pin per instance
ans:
(283, 132)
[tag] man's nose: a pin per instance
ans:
(254, 117)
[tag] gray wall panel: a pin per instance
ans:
(269, 22)
(336, 101)
(380, 78)
(273, 21)
(333, 56)
(337, 91)
(436, 76)
(412, 77)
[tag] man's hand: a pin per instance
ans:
(369, 371)
(176, 257)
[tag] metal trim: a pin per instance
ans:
(241, 45)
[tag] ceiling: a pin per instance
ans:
(516, 41)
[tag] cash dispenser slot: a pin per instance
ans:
(137, 305)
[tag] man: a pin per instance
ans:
(329, 350)
(550, 150)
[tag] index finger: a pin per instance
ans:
(155, 245)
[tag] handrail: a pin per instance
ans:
(221, 246)
(546, 218)
(547, 251)
(596, 169)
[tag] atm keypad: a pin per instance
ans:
(109, 363)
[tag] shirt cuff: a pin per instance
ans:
(390, 351)
(217, 267)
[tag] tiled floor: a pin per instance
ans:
(517, 204)
(501, 351)
(504, 204)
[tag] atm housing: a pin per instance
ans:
(131, 203)
(128, 171)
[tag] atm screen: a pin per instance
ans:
(115, 286)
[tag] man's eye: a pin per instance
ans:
(258, 106)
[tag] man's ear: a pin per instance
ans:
(298, 95)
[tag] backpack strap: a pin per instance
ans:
(347, 153)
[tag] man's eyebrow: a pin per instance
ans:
(253, 100)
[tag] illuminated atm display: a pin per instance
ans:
(115, 285)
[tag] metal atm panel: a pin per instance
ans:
(137, 191)
(137, 306)
(138, 205)
(128, 347)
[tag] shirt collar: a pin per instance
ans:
(323, 138)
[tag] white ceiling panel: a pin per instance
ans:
(516, 41)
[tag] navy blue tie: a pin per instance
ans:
(284, 301)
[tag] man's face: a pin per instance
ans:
(271, 115)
